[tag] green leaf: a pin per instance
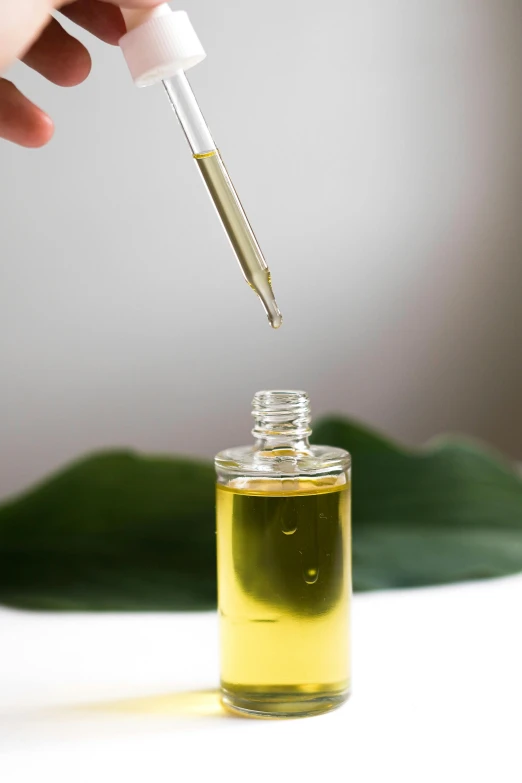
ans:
(115, 531)
(121, 531)
(448, 513)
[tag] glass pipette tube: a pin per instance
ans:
(222, 193)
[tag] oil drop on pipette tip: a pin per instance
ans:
(160, 45)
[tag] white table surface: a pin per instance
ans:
(114, 697)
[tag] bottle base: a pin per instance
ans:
(281, 705)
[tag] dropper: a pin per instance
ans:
(160, 45)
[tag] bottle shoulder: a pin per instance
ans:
(252, 461)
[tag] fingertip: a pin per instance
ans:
(76, 71)
(21, 122)
(59, 57)
(42, 132)
(35, 133)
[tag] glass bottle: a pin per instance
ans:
(284, 565)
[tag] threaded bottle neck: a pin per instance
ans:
(282, 417)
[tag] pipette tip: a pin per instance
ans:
(262, 285)
(275, 319)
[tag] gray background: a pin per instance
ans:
(376, 147)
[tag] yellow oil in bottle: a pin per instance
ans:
(239, 231)
(284, 583)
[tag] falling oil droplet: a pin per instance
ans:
(311, 575)
(289, 531)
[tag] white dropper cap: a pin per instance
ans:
(159, 43)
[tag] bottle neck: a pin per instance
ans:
(282, 420)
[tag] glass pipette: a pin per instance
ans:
(160, 45)
(222, 193)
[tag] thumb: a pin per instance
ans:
(20, 24)
(134, 3)
(137, 9)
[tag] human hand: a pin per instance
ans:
(28, 32)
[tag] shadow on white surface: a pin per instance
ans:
(170, 712)
(188, 704)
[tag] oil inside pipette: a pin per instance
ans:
(239, 231)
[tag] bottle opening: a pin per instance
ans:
(281, 413)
